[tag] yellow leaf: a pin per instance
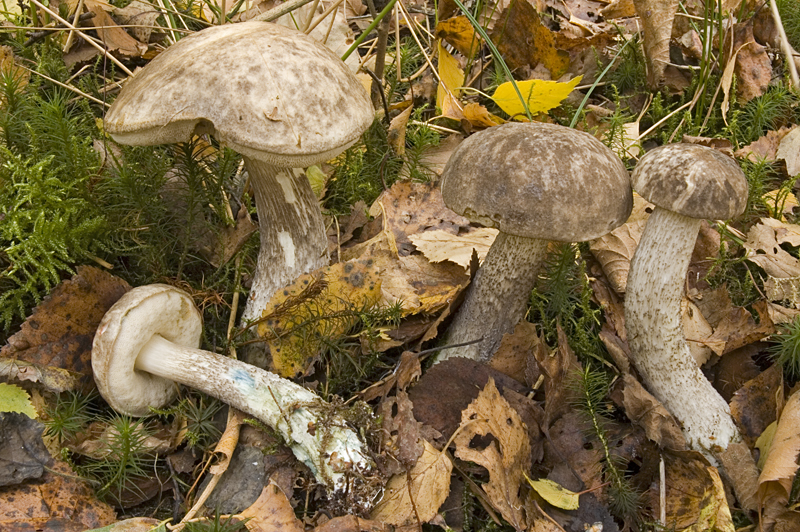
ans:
(554, 493)
(318, 306)
(15, 399)
(540, 95)
(452, 77)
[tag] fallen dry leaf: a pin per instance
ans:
(738, 328)
(60, 331)
(141, 16)
(414, 498)
(754, 406)
(58, 495)
(765, 148)
(411, 208)
(515, 355)
(789, 151)
(656, 17)
(506, 457)
(459, 32)
(318, 305)
(439, 245)
(763, 246)
(646, 411)
(753, 65)
(397, 131)
(775, 482)
(743, 473)
(114, 38)
(524, 41)
(614, 250)
(400, 432)
(271, 512)
(694, 493)
(697, 331)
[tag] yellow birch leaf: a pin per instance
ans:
(540, 95)
(15, 399)
(554, 493)
(318, 306)
(452, 77)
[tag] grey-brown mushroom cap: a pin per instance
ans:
(125, 329)
(692, 180)
(266, 91)
(540, 181)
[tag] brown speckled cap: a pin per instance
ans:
(266, 91)
(538, 181)
(692, 180)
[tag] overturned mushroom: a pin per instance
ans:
(687, 183)
(147, 343)
(535, 183)
(274, 95)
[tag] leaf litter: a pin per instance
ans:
(415, 253)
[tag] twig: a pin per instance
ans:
(278, 12)
(785, 46)
(87, 38)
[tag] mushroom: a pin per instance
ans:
(535, 183)
(147, 342)
(274, 95)
(687, 183)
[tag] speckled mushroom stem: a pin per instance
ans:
(318, 438)
(497, 299)
(292, 232)
(656, 338)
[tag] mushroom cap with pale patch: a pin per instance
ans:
(539, 181)
(125, 329)
(692, 180)
(266, 91)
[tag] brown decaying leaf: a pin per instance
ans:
(417, 284)
(397, 131)
(754, 406)
(114, 38)
(60, 331)
(694, 493)
(409, 208)
(59, 496)
(439, 245)
(646, 411)
(506, 457)
(742, 471)
(697, 331)
(781, 466)
(753, 65)
(459, 32)
(272, 512)
(351, 523)
(738, 328)
(789, 151)
(515, 355)
(447, 388)
(557, 368)
(524, 41)
(614, 250)
(765, 147)
(573, 448)
(142, 16)
(54, 380)
(656, 17)
(401, 432)
(414, 498)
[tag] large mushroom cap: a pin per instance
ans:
(266, 91)
(692, 180)
(128, 325)
(538, 181)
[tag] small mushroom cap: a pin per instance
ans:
(539, 181)
(127, 326)
(266, 91)
(692, 180)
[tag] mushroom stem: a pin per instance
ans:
(497, 299)
(655, 333)
(321, 441)
(292, 232)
